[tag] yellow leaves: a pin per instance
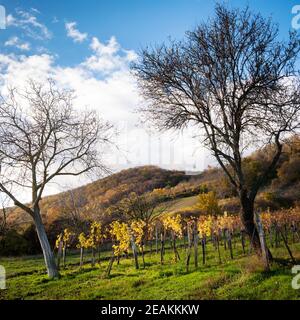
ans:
(208, 203)
(93, 239)
(119, 231)
(58, 240)
(208, 225)
(173, 223)
(82, 241)
(266, 219)
(67, 235)
(96, 235)
(138, 229)
(159, 191)
(64, 238)
(123, 233)
(205, 224)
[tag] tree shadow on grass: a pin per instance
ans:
(286, 262)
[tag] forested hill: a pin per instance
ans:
(92, 199)
(90, 202)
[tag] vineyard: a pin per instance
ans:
(166, 268)
(132, 259)
(223, 232)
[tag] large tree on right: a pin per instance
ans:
(237, 84)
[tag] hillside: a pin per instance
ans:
(92, 199)
(90, 202)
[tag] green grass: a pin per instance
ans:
(241, 278)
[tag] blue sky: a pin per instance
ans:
(134, 23)
(87, 46)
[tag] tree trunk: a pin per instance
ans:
(47, 252)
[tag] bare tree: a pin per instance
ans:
(42, 137)
(236, 83)
(145, 207)
(71, 204)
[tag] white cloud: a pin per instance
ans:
(17, 43)
(101, 49)
(103, 82)
(74, 33)
(10, 20)
(108, 57)
(29, 23)
(17, 70)
(35, 10)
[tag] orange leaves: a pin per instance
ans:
(280, 218)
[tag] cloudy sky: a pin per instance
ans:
(89, 45)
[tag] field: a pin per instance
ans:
(240, 278)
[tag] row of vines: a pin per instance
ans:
(135, 238)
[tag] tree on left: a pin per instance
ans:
(42, 138)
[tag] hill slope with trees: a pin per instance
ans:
(94, 201)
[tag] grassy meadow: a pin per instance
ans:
(240, 278)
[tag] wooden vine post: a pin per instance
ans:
(156, 238)
(134, 251)
(190, 243)
(243, 240)
(262, 239)
(196, 239)
(59, 246)
(229, 241)
(285, 241)
(162, 244)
